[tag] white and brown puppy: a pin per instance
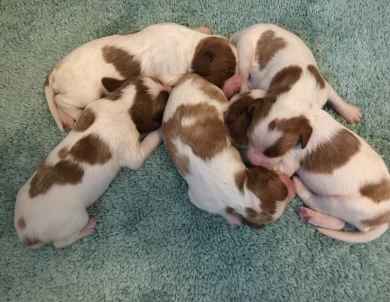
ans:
(344, 179)
(51, 206)
(165, 51)
(219, 182)
(279, 62)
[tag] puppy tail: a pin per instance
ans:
(49, 93)
(356, 237)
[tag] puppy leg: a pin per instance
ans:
(76, 224)
(244, 64)
(135, 156)
(321, 220)
(349, 112)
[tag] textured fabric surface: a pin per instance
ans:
(151, 244)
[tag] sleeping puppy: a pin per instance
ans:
(341, 179)
(165, 51)
(277, 61)
(195, 139)
(51, 206)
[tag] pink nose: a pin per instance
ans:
(259, 159)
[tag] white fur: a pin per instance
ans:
(211, 182)
(337, 194)
(60, 215)
(164, 51)
(305, 97)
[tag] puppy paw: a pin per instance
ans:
(351, 114)
(89, 228)
(234, 220)
(68, 126)
(304, 214)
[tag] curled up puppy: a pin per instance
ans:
(51, 206)
(341, 179)
(165, 51)
(279, 62)
(218, 180)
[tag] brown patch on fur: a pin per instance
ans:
(86, 119)
(284, 80)
(125, 63)
(314, 71)
(30, 242)
(239, 179)
(92, 150)
(238, 118)
(269, 188)
(63, 172)
(147, 111)
(63, 153)
(214, 60)
(243, 114)
(21, 223)
(295, 130)
(111, 84)
(207, 127)
(379, 220)
(230, 211)
(267, 47)
(332, 154)
(180, 161)
(260, 108)
(377, 192)
(47, 81)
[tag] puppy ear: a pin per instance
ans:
(306, 132)
(201, 62)
(252, 107)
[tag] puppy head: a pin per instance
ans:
(269, 136)
(238, 117)
(149, 103)
(216, 59)
(270, 192)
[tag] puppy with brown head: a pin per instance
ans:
(279, 62)
(165, 51)
(264, 138)
(219, 182)
(51, 206)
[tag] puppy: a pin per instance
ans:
(277, 61)
(345, 181)
(165, 51)
(51, 206)
(195, 139)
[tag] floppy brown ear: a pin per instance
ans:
(306, 132)
(201, 62)
(252, 107)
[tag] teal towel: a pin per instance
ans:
(151, 243)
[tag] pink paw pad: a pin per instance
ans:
(68, 126)
(303, 213)
(234, 220)
(89, 228)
